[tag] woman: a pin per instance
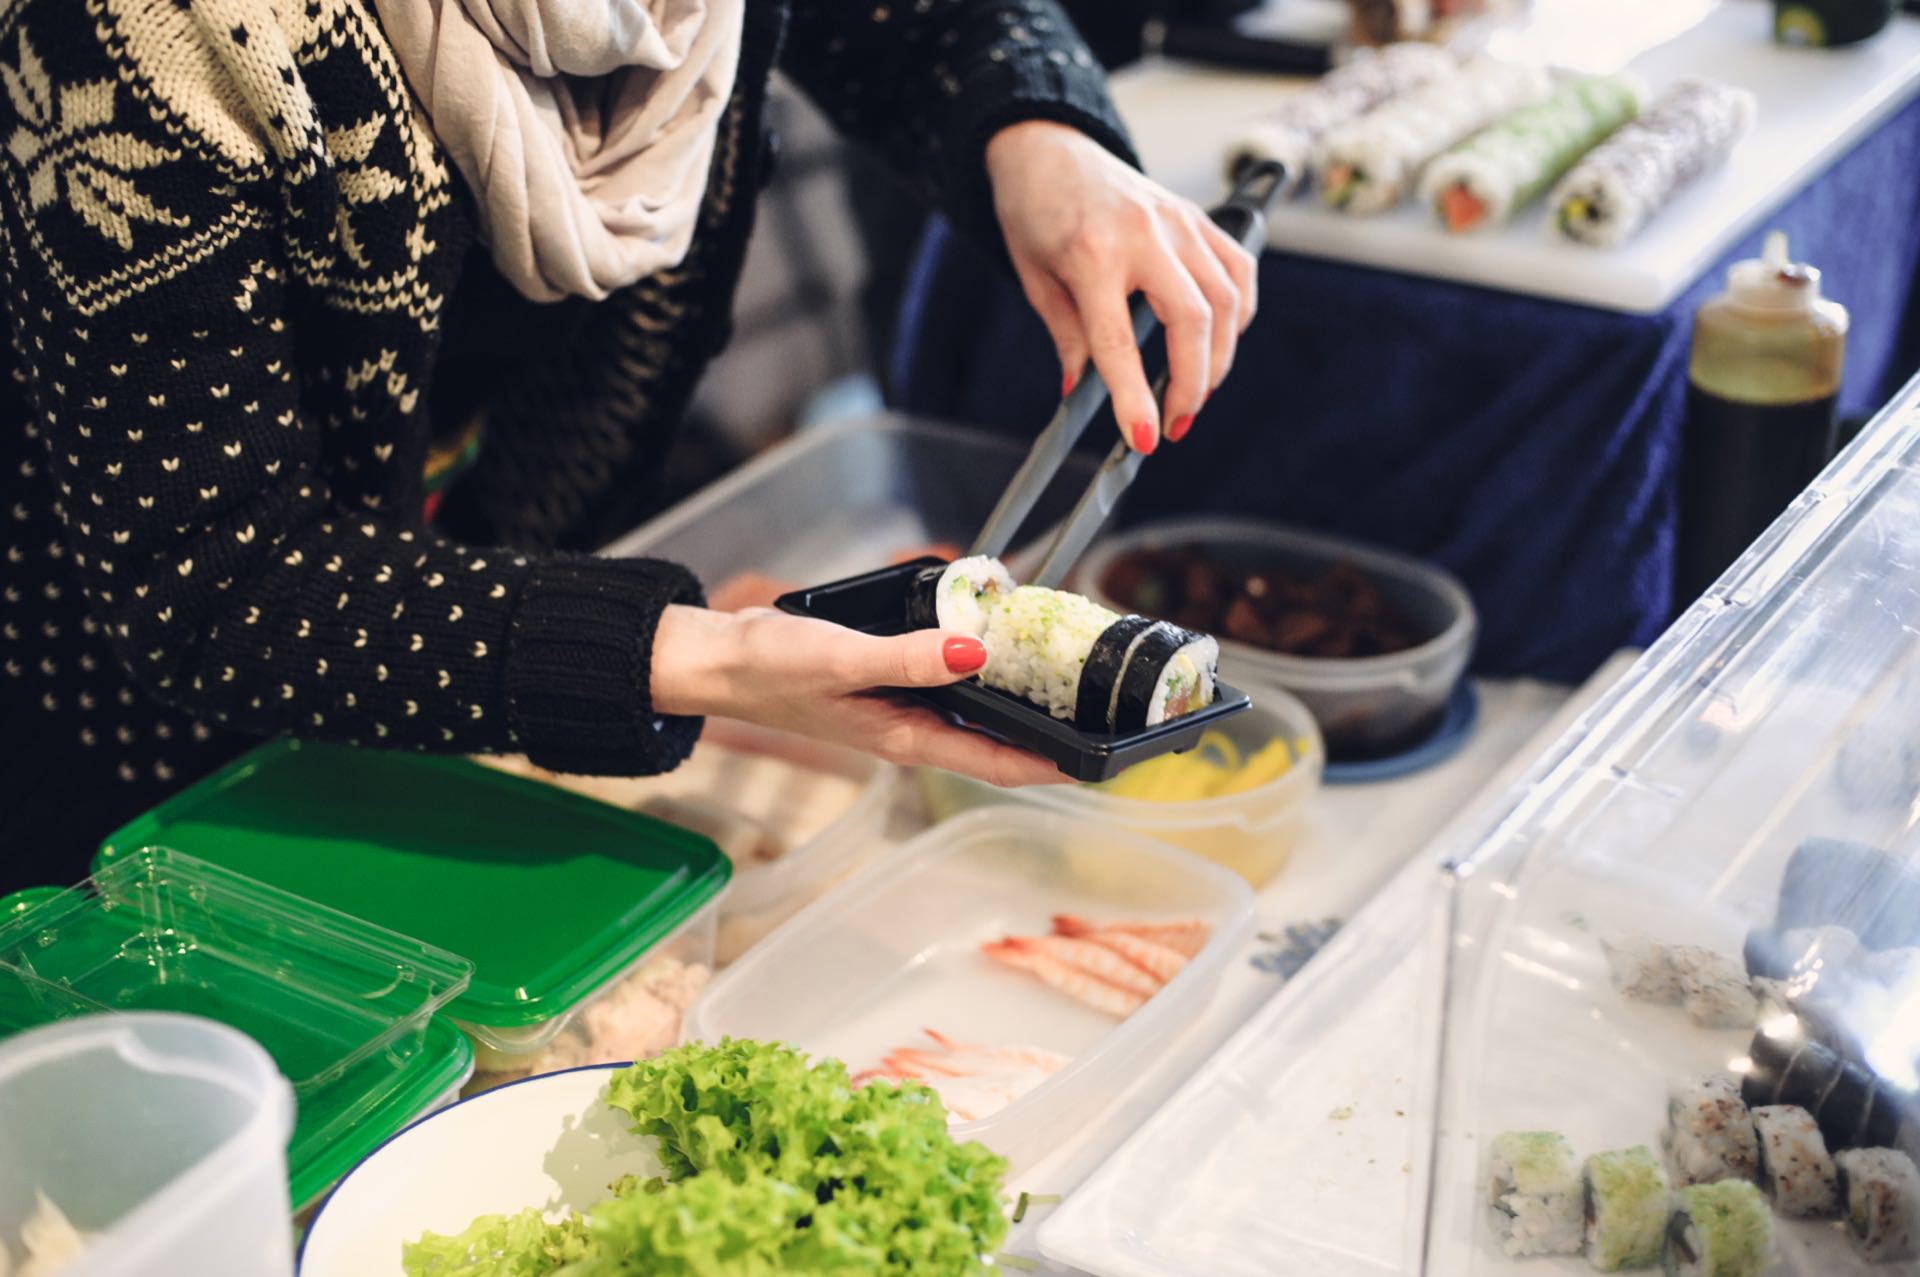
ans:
(278, 267)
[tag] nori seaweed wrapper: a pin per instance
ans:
(1093, 700)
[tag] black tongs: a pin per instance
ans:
(1243, 216)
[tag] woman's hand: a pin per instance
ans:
(1086, 232)
(830, 683)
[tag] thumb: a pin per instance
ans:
(924, 658)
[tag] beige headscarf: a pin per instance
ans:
(584, 127)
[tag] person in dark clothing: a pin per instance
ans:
(340, 326)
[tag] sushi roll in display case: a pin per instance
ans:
(1689, 947)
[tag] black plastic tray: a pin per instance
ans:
(876, 603)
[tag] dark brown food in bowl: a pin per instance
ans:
(1337, 614)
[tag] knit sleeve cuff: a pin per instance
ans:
(580, 665)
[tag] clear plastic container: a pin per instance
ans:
(161, 1138)
(846, 498)
(897, 951)
(1371, 707)
(1717, 871)
(344, 1008)
(1251, 833)
(635, 1014)
(794, 816)
(589, 929)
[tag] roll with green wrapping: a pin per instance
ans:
(1503, 167)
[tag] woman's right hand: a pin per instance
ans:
(834, 684)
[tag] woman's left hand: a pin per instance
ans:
(1086, 232)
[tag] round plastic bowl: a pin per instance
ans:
(1369, 707)
(162, 1137)
(1251, 833)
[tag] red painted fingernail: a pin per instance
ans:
(1178, 430)
(1067, 384)
(964, 655)
(1143, 439)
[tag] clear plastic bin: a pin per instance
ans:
(1251, 833)
(634, 1015)
(897, 951)
(1370, 707)
(1718, 872)
(344, 1008)
(844, 499)
(794, 816)
(161, 1138)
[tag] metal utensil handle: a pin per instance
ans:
(1244, 217)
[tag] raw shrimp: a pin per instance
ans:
(972, 1081)
(1071, 980)
(1157, 960)
(1185, 936)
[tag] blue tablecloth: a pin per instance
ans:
(1531, 446)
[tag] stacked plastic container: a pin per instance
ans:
(1698, 932)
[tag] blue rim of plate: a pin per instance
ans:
(1456, 725)
(300, 1251)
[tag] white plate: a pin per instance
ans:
(549, 1141)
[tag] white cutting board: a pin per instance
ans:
(1814, 106)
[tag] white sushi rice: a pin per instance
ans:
(1534, 1192)
(1882, 1207)
(1368, 165)
(1710, 1134)
(1623, 182)
(1192, 668)
(1714, 988)
(1795, 1168)
(1037, 644)
(1639, 967)
(968, 590)
(1289, 132)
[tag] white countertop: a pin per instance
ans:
(1814, 106)
(1359, 837)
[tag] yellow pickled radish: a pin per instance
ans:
(1214, 768)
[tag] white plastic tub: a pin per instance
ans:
(162, 1137)
(897, 951)
(1369, 707)
(1251, 833)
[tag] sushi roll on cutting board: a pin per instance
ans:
(1370, 164)
(1481, 181)
(1103, 672)
(1619, 185)
(1289, 132)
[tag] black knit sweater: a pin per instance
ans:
(243, 292)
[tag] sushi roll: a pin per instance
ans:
(1092, 667)
(1710, 1135)
(1626, 1209)
(1368, 165)
(1795, 1168)
(1639, 967)
(1534, 1194)
(958, 595)
(1170, 672)
(1373, 76)
(1880, 1191)
(1719, 1230)
(1481, 181)
(1714, 988)
(1611, 193)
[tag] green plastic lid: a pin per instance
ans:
(344, 1008)
(548, 893)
